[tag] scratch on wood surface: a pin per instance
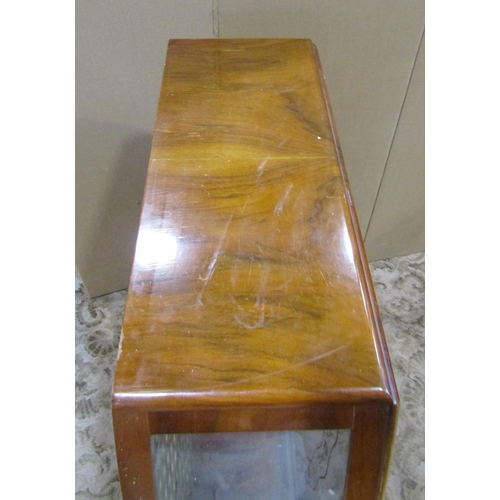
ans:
(277, 372)
(279, 206)
(211, 267)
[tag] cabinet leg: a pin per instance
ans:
(133, 453)
(371, 438)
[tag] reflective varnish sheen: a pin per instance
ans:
(250, 306)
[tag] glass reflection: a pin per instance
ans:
(292, 465)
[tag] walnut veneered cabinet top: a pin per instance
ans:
(250, 287)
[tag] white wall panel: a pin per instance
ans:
(397, 226)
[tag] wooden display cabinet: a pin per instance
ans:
(252, 362)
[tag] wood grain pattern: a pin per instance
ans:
(245, 419)
(250, 291)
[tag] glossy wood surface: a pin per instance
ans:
(250, 284)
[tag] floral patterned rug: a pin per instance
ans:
(399, 284)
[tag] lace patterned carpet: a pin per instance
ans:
(399, 284)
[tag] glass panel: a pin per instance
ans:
(304, 465)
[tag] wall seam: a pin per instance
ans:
(394, 135)
(215, 18)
